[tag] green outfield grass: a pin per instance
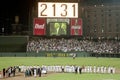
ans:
(71, 76)
(13, 61)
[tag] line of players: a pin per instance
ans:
(99, 69)
(69, 69)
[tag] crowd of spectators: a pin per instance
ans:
(66, 45)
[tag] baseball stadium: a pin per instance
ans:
(62, 40)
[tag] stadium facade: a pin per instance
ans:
(100, 17)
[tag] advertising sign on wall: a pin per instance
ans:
(76, 26)
(39, 27)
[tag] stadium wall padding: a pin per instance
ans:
(56, 54)
(43, 54)
(13, 43)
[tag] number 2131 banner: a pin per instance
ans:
(61, 10)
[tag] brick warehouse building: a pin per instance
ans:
(100, 17)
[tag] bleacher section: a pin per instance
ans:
(23, 46)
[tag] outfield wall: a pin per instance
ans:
(13, 43)
(43, 54)
(56, 54)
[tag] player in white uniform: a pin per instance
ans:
(94, 69)
(59, 69)
(35, 72)
(62, 68)
(56, 68)
(90, 69)
(101, 69)
(44, 69)
(72, 69)
(98, 69)
(113, 70)
(22, 68)
(109, 69)
(66, 68)
(69, 68)
(104, 69)
(85, 69)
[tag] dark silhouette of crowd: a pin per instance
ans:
(67, 45)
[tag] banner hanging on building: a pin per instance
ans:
(76, 26)
(39, 26)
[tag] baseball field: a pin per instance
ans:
(79, 61)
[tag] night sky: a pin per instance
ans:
(10, 8)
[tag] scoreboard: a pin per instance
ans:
(57, 27)
(57, 19)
